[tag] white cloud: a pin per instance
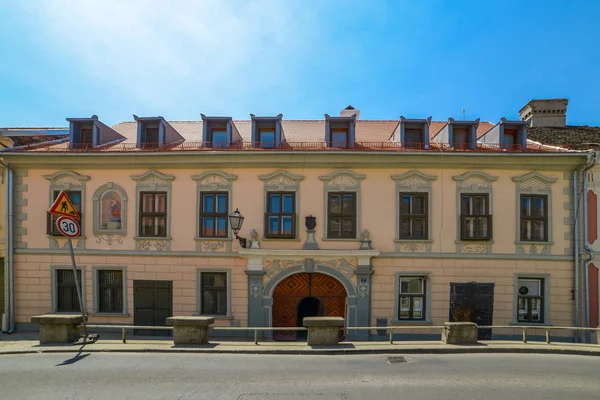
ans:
(159, 54)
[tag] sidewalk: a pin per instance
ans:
(27, 343)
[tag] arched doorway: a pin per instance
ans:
(304, 294)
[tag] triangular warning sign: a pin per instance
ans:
(63, 206)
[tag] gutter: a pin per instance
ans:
(10, 251)
(586, 247)
(576, 285)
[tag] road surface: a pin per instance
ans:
(268, 377)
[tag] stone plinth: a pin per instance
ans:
(58, 328)
(323, 331)
(190, 330)
(459, 333)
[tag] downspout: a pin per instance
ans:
(586, 247)
(576, 285)
(9, 265)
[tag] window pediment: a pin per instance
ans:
(474, 180)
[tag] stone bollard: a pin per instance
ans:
(190, 330)
(459, 333)
(323, 331)
(58, 328)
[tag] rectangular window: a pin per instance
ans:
(213, 292)
(510, 139)
(86, 138)
(341, 215)
(66, 291)
(266, 138)
(110, 291)
(218, 138)
(461, 138)
(213, 214)
(339, 138)
(151, 137)
(280, 218)
(534, 218)
(75, 197)
(413, 138)
(475, 219)
(413, 216)
(530, 307)
(153, 214)
(411, 300)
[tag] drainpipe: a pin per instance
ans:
(586, 247)
(576, 285)
(9, 264)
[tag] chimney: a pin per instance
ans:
(350, 111)
(545, 112)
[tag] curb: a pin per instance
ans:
(466, 350)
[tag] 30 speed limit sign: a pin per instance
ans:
(68, 226)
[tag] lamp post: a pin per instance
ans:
(236, 220)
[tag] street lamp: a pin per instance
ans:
(236, 220)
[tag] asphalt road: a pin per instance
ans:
(269, 377)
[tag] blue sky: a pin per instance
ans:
(177, 59)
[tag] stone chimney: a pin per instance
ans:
(545, 112)
(350, 111)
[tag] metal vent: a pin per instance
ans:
(397, 360)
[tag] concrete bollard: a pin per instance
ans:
(190, 330)
(459, 333)
(323, 331)
(58, 328)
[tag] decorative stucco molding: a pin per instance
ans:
(475, 181)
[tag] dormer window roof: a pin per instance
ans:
(507, 135)
(89, 133)
(267, 132)
(460, 135)
(155, 132)
(219, 132)
(413, 133)
(340, 131)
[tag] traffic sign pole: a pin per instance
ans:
(78, 287)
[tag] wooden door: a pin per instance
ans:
(153, 303)
(292, 290)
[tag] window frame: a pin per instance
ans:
(545, 290)
(154, 214)
(523, 217)
(341, 215)
(427, 294)
(414, 216)
(96, 270)
(280, 214)
(54, 293)
(213, 215)
(199, 292)
(464, 217)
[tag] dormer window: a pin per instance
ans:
(218, 139)
(510, 139)
(461, 138)
(151, 137)
(340, 131)
(413, 133)
(86, 138)
(89, 133)
(339, 138)
(155, 133)
(413, 137)
(219, 132)
(267, 132)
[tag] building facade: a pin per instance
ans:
(418, 222)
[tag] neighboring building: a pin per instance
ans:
(549, 126)
(417, 222)
(17, 137)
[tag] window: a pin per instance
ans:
(413, 216)
(218, 138)
(75, 197)
(412, 138)
(153, 214)
(534, 218)
(411, 300)
(475, 220)
(213, 293)
(461, 138)
(151, 138)
(341, 215)
(339, 138)
(110, 291)
(510, 139)
(530, 303)
(266, 138)
(213, 214)
(66, 291)
(281, 217)
(87, 138)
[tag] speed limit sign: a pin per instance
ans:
(68, 226)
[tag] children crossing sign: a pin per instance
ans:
(63, 206)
